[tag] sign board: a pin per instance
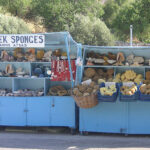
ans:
(129, 84)
(109, 83)
(22, 40)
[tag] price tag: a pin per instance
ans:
(129, 84)
(109, 84)
(87, 82)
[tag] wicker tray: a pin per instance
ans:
(86, 101)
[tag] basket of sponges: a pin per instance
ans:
(85, 95)
(144, 92)
(129, 91)
(108, 92)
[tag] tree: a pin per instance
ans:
(136, 14)
(111, 9)
(18, 8)
(91, 31)
(12, 25)
(59, 13)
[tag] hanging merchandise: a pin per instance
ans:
(60, 70)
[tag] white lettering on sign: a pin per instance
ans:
(22, 40)
(109, 83)
(129, 84)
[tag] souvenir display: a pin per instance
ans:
(10, 71)
(41, 71)
(6, 57)
(6, 92)
(59, 91)
(40, 54)
(98, 75)
(118, 59)
(60, 70)
(134, 60)
(145, 89)
(18, 54)
(47, 56)
(28, 92)
(109, 90)
(128, 90)
(85, 94)
(85, 90)
(22, 93)
(128, 76)
(100, 59)
(31, 55)
(20, 72)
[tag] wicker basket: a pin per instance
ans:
(86, 101)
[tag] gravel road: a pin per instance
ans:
(46, 141)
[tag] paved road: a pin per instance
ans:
(22, 141)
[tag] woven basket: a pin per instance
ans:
(86, 101)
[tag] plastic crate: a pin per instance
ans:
(143, 97)
(106, 98)
(129, 98)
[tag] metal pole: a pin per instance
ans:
(131, 35)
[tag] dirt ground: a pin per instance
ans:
(65, 141)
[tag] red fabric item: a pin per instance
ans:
(60, 70)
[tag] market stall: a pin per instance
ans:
(36, 82)
(121, 108)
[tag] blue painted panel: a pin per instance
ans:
(6, 83)
(63, 111)
(12, 111)
(105, 117)
(139, 117)
(28, 83)
(38, 113)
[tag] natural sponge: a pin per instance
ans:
(148, 75)
(89, 72)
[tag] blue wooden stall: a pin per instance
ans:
(44, 110)
(117, 117)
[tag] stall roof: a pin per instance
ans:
(58, 38)
(116, 47)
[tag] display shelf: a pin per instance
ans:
(15, 66)
(40, 68)
(102, 66)
(118, 117)
(137, 51)
(43, 110)
(28, 83)
(38, 62)
(49, 84)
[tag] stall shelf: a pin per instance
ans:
(44, 110)
(117, 117)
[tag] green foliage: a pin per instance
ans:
(55, 13)
(59, 13)
(136, 14)
(9, 25)
(18, 8)
(92, 8)
(91, 31)
(112, 8)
